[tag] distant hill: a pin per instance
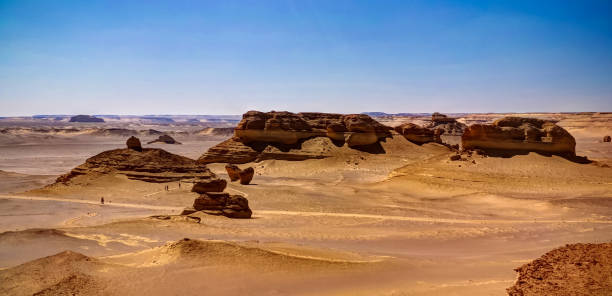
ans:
(85, 118)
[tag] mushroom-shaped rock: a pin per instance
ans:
(213, 185)
(246, 175)
(134, 144)
(233, 172)
(607, 139)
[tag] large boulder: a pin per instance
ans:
(221, 203)
(233, 171)
(516, 135)
(134, 144)
(246, 175)
(286, 132)
(212, 185)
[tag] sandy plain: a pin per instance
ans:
(405, 222)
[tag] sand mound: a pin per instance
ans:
(576, 269)
(59, 274)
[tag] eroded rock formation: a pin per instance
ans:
(233, 171)
(576, 269)
(134, 144)
(213, 201)
(516, 135)
(279, 135)
(442, 129)
(149, 165)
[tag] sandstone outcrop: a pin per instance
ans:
(134, 144)
(233, 171)
(224, 204)
(213, 185)
(516, 135)
(149, 165)
(165, 139)
(576, 269)
(442, 129)
(280, 135)
(85, 118)
(607, 139)
(246, 175)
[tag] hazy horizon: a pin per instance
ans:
(228, 57)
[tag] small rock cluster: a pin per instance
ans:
(607, 139)
(214, 201)
(235, 173)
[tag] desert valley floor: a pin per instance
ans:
(403, 221)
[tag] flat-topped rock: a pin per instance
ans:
(221, 203)
(212, 185)
(85, 118)
(516, 135)
(286, 132)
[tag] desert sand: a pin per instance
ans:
(404, 220)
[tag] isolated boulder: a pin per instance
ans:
(212, 185)
(233, 171)
(517, 135)
(246, 175)
(607, 139)
(134, 144)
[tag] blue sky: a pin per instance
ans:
(227, 57)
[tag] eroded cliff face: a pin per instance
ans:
(517, 135)
(441, 129)
(280, 135)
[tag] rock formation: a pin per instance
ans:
(164, 139)
(233, 171)
(149, 165)
(441, 129)
(516, 135)
(576, 269)
(246, 175)
(212, 200)
(134, 144)
(279, 135)
(213, 185)
(607, 139)
(85, 118)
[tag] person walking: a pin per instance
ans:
(102, 200)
